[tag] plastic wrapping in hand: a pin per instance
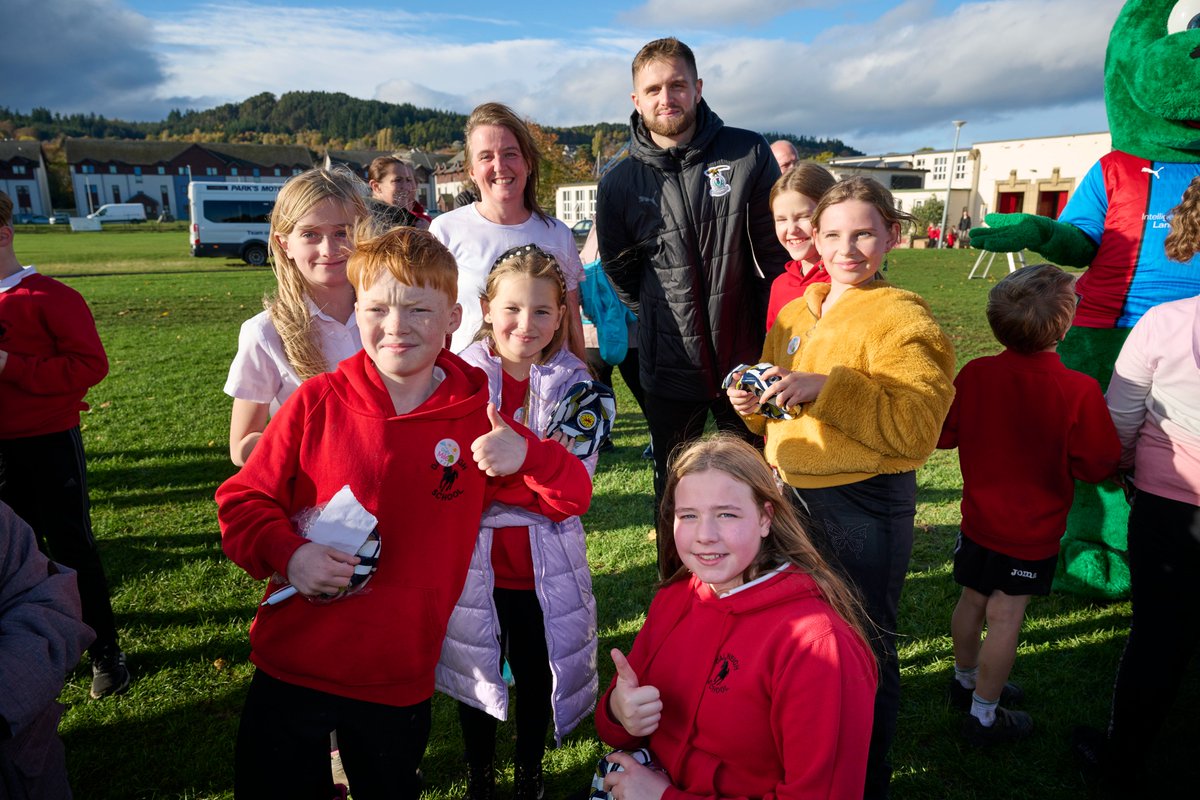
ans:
(586, 414)
(604, 767)
(752, 380)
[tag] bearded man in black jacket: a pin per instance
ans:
(687, 237)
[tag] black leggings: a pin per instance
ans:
(44, 480)
(523, 639)
(1164, 569)
(283, 744)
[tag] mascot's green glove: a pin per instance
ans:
(1059, 242)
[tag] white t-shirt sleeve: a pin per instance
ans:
(254, 374)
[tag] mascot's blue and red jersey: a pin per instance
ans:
(1122, 205)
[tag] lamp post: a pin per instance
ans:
(958, 123)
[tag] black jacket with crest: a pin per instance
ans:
(687, 238)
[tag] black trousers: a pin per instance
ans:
(523, 639)
(282, 745)
(865, 529)
(44, 480)
(628, 369)
(1164, 571)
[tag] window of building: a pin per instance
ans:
(183, 170)
(137, 170)
(23, 203)
(278, 172)
(20, 169)
(210, 170)
(94, 197)
(116, 194)
(162, 170)
(166, 200)
(112, 168)
(87, 169)
(233, 171)
(257, 173)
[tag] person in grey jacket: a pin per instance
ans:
(687, 237)
(42, 636)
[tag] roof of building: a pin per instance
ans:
(11, 149)
(147, 151)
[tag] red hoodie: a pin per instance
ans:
(54, 356)
(791, 285)
(415, 473)
(767, 693)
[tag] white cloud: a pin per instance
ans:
(889, 78)
(66, 55)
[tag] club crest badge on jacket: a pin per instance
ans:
(718, 186)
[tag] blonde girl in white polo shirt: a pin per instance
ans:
(308, 326)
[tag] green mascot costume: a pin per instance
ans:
(1115, 225)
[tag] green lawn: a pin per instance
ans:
(156, 438)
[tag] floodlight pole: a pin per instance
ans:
(958, 123)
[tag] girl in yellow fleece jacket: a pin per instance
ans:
(867, 375)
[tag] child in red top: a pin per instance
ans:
(1026, 428)
(752, 676)
(793, 199)
(50, 355)
(394, 423)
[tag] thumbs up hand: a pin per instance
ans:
(500, 451)
(638, 708)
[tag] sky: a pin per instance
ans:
(880, 75)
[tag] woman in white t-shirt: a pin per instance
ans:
(502, 160)
(308, 326)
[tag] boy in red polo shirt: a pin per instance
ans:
(50, 355)
(1026, 428)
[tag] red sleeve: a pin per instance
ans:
(254, 506)
(552, 482)
(78, 362)
(948, 440)
(1093, 448)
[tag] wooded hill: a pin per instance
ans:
(316, 119)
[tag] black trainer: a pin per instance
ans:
(1010, 726)
(109, 674)
(527, 782)
(959, 696)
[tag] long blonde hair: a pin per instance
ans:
(786, 543)
(289, 307)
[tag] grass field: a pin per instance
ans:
(156, 438)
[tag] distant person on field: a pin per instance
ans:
(1154, 398)
(785, 153)
(393, 185)
(793, 198)
(686, 238)
(964, 229)
(50, 355)
(1026, 428)
(42, 636)
(409, 428)
(308, 326)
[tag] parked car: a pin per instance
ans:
(120, 212)
(580, 231)
(30, 219)
(60, 218)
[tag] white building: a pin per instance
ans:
(23, 178)
(575, 201)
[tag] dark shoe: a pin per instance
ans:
(1010, 726)
(481, 782)
(528, 783)
(109, 673)
(960, 696)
